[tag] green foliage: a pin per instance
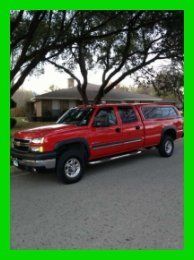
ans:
(118, 42)
(132, 41)
(12, 122)
(166, 83)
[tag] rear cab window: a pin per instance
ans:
(159, 112)
(127, 114)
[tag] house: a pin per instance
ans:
(54, 103)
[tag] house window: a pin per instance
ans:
(72, 103)
(55, 108)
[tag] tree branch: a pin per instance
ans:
(15, 23)
(79, 85)
(38, 16)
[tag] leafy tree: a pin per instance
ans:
(22, 96)
(168, 82)
(120, 43)
(135, 39)
(82, 54)
(40, 35)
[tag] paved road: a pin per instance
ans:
(129, 203)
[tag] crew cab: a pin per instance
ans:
(93, 133)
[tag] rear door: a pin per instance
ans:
(105, 140)
(132, 128)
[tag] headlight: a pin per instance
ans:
(37, 140)
(37, 149)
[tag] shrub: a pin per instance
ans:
(13, 122)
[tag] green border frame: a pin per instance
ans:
(5, 7)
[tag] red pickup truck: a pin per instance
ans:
(93, 133)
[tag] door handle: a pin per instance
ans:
(118, 130)
(137, 127)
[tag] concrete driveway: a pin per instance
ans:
(131, 203)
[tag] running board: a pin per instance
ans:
(114, 158)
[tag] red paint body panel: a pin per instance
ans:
(107, 141)
(153, 128)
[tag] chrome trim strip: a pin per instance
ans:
(99, 146)
(133, 141)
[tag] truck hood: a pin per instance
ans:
(45, 130)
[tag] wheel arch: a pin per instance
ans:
(170, 131)
(73, 143)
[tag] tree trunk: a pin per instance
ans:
(85, 98)
(82, 94)
(99, 96)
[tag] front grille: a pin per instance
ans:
(21, 144)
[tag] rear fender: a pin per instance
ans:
(171, 130)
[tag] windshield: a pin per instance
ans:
(77, 115)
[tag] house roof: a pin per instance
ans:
(92, 89)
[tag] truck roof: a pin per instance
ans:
(125, 104)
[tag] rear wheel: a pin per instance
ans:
(70, 166)
(166, 146)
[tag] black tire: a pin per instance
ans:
(64, 160)
(166, 146)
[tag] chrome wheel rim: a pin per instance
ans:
(168, 147)
(72, 167)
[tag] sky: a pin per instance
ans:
(40, 84)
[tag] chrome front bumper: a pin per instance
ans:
(33, 160)
(47, 164)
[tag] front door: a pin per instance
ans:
(106, 134)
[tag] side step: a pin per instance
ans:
(114, 158)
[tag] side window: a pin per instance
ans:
(158, 112)
(127, 114)
(105, 117)
(168, 112)
(151, 112)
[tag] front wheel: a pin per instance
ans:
(166, 146)
(70, 167)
